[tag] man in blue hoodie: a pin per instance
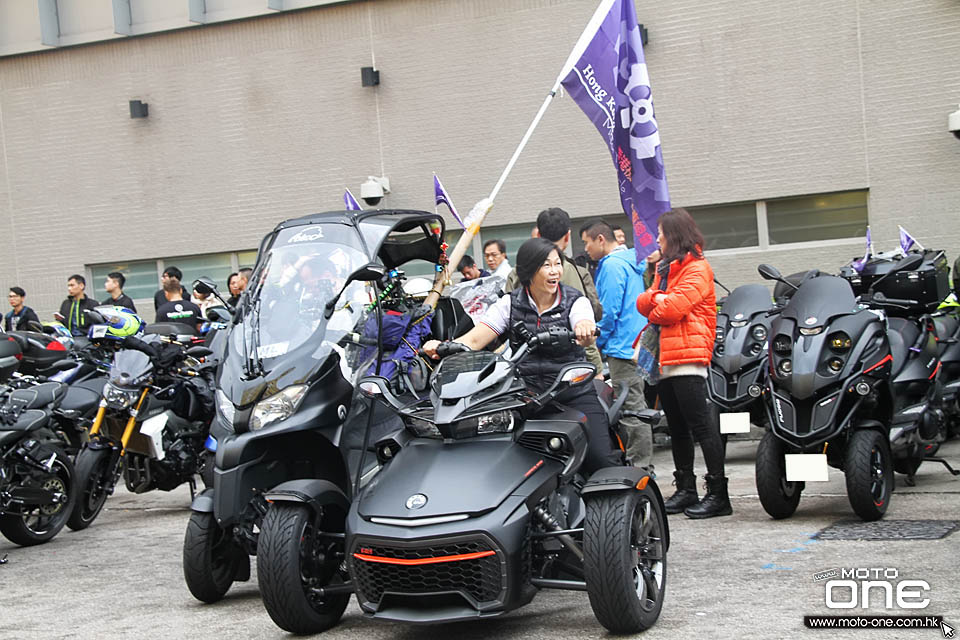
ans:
(619, 281)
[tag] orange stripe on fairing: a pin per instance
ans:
(533, 468)
(419, 561)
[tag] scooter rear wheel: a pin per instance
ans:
(869, 473)
(778, 497)
(211, 560)
(625, 558)
(294, 561)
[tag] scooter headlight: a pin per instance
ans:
(759, 332)
(840, 342)
(422, 428)
(835, 365)
(279, 406)
(782, 345)
(118, 398)
(785, 368)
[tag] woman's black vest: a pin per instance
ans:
(543, 366)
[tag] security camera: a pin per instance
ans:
(953, 123)
(373, 190)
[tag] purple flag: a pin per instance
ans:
(858, 265)
(907, 240)
(608, 79)
(350, 202)
(442, 197)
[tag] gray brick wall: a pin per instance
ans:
(255, 121)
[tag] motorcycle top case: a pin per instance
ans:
(38, 354)
(928, 284)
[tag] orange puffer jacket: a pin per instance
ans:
(687, 315)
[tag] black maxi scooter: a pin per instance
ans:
(286, 379)
(846, 391)
(479, 504)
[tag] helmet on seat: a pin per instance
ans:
(115, 323)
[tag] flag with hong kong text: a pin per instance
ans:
(608, 80)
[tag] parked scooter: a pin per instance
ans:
(415, 546)
(150, 427)
(738, 368)
(302, 333)
(847, 391)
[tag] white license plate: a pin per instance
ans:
(735, 422)
(806, 467)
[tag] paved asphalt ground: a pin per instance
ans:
(739, 576)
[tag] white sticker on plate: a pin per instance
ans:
(806, 467)
(98, 331)
(272, 350)
(735, 422)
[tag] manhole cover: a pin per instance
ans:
(889, 530)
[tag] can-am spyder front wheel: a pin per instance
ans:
(296, 559)
(625, 558)
(212, 561)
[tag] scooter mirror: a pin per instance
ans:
(198, 352)
(769, 272)
(204, 285)
(218, 314)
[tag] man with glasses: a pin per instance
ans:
(21, 315)
(495, 255)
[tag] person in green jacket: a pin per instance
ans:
(71, 309)
(553, 224)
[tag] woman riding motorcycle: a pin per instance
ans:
(542, 302)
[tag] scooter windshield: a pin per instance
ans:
(305, 269)
(130, 368)
(820, 299)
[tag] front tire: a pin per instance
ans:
(869, 473)
(94, 477)
(43, 522)
(293, 560)
(211, 560)
(625, 558)
(778, 497)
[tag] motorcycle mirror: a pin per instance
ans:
(577, 374)
(198, 352)
(367, 273)
(94, 317)
(204, 285)
(33, 325)
(769, 272)
(218, 314)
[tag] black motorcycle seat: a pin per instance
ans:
(29, 420)
(83, 396)
(946, 326)
(42, 395)
(899, 351)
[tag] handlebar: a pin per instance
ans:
(882, 300)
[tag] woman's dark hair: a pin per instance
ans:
(682, 234)
(531, 256)
(231, 277)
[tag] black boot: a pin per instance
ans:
(686, 493)
(715, 503)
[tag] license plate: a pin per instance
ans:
(806, 467)
(735, 422)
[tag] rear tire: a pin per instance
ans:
(778, 497)
(293, 560)
(44, 522)
(94, 476)
(625, 558)
(869, 473)
(211, 560)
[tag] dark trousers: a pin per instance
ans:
(600, 450)
(684, 401)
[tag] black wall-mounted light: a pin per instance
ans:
(643, 35)
(369, 77)
(138, 109)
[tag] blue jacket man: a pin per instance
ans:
(619, 281)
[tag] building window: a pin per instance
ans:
(728, 226)
(141, 279)
(821, 217)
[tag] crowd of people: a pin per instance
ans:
(669, 297)
(171, 302)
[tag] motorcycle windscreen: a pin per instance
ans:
(747, 300)
(467, 477)
(129, 367)
(819, 300)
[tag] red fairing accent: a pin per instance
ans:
(888, 358)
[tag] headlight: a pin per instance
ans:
(840, 342)
(755, 349)
(782, 345)
(785, 368)
(422, 428)
(759, 332)
(500, 422)
(226, 408)
(119, 398)
(279, 406)
(835, 365)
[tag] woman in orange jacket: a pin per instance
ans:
(683, 304)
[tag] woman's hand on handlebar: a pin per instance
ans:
(585, 332)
